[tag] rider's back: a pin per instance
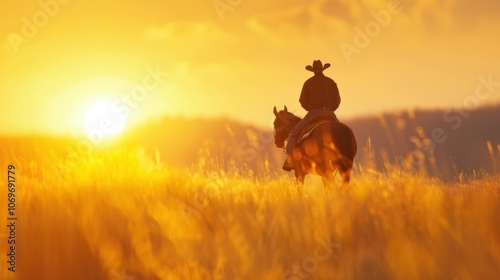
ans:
(320, 92)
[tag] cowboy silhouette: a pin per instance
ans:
(319, 96)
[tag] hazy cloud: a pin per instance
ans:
(188, 31)
(338, 16)
(304, 20)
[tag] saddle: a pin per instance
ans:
(313, 123)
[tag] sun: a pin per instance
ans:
(103, 119)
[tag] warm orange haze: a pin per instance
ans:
(59, 58)
(147, 139)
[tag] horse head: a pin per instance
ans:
(283, 124)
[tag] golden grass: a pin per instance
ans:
(124, 215)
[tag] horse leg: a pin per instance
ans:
(299, 176)
(328, 179)
(300, 182)
(346, 178)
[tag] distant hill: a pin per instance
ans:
(208, 142)
(438, 143)
(434, 142)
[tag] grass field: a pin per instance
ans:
(123, 214)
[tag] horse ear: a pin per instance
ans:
(286, 109)
(275, 111)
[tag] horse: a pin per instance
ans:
(330, 147)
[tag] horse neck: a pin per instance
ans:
(292, 123)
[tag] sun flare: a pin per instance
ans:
(104, 119)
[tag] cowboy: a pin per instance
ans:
(319, 96)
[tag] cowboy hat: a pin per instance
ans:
(317, 66)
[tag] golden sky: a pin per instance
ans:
(238, 58)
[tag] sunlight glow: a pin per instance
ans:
(103, 119)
